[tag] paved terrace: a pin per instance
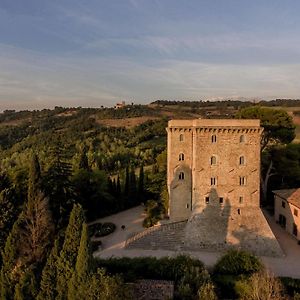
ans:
(113, 245)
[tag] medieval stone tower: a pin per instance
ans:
(213, 162)
(213, 184)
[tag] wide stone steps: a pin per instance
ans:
(167, 236)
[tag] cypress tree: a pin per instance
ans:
(132, 194)
(118, 187)
(58, 186)
(83, 160)
(49, 275)
(141, 184)
(126, 186)
(79, 283)
(8, 213)
(34, 181)
(8, 279)
(67, 259)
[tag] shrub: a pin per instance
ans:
(236, 262)
(231, 267)
(261, 285)
(99, 229)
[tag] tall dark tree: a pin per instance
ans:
(141, 183)
(34, 180)
(83, 160)
(126, 185)
(58, 186)
(132, 193)
(68, 255)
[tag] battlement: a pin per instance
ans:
(252, 123)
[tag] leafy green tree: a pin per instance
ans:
(278, 129)
(67, 258)
(104, 287)
(8, 213)
(277, 123)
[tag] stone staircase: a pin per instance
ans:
(213, 230)
(168, 236)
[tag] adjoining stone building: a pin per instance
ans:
(214, 189)
(287, 210)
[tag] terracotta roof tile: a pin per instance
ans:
(290, 195)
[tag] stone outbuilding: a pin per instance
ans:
(287, 210)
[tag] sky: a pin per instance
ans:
(99, 52)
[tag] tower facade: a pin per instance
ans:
(214, 163)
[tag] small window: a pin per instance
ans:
(283, 204)
(241, 200)
(296, 212)
(213, 138)
(242, 180)
(242, 160)
(181, 176)
(206, 200)
(239, 211)
(213, 181)
(187, 205)
(221, 200)
(213, 160)
(242, 139)
(181, 137)
(181, 157)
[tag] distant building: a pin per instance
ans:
(287, 210)
(119, 105)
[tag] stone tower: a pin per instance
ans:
(213, 162)
(213, 184)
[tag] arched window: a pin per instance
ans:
(213, 138)
(181, 156)
(213, 160)
(242, 139)
(181, 176)
(242, 160)
(181, 137)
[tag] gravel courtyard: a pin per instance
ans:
(113, 245)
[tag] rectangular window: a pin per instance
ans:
(213, 181)
(206, 200)
(221, 200)
(241, 200)
(283, 204)
(296, 212)
(187, 205)
(242, 180)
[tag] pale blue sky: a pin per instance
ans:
(97, 52)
